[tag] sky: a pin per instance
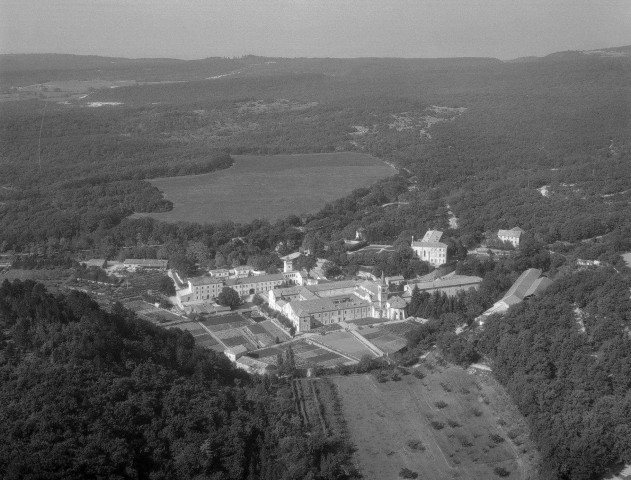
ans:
(190, 29)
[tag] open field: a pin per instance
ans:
(270, 187)
(383, 339)
(451, 424)
(346, 343)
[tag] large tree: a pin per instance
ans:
(228, 298)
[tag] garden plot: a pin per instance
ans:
(235, 337)
(346, 343)
(201, 336)
(266, 333)
(401, 328)
(305, 354)
(383, 339)
(225, 322)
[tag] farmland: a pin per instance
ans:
(268, 187)
(345, 343)
(306, 355)
(448, 424)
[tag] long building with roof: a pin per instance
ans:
(450, 284)
(430, 249)
(530, 283)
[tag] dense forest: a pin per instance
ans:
(566, 361)
(106, 395)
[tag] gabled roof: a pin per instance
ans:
(272, 277)
(327, 286)
(145, 262)
(529, 283)
(513, 232)
(430, 239)
(291, 256)
(432, 236)
(197, 281)
(448, 281)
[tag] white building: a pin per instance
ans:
(430, 249)
(513, 235)
(312, 306)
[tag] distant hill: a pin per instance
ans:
(28, 69)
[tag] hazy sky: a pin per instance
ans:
(312, 28)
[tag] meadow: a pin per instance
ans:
(448, 424)
(269, 187)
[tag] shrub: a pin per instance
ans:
(496, 438)
(452, 423)
(436, 425)
(416, 445)
(501, 472)
(407, 473)
(465, 441)
(440, 404)
(477, 412)
(418, 374)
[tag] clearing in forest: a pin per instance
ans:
(449, 424)
(267, 186)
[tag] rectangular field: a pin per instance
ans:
(201, 336)
(383, 339)
(345, 343)
(266, 333)
(440, 427)
(305, 354)
(226, 322)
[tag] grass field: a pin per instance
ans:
(383, 339)
(448, 425)
(346, 343)
(270, 187)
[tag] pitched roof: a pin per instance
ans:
(447, 282)
(197, 281)
(319, 305)
(291, 256)
(513, 232)
(529, 283)
(327, 286)
(430, 239)
(272, 277)
(146, 262)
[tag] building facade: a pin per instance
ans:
(512, 236)
(430, 249)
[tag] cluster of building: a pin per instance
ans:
(312, 306)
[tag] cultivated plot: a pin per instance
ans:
(439, 427)
(383, 339)
(305, 354)
(346, 343)
(268, 186)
